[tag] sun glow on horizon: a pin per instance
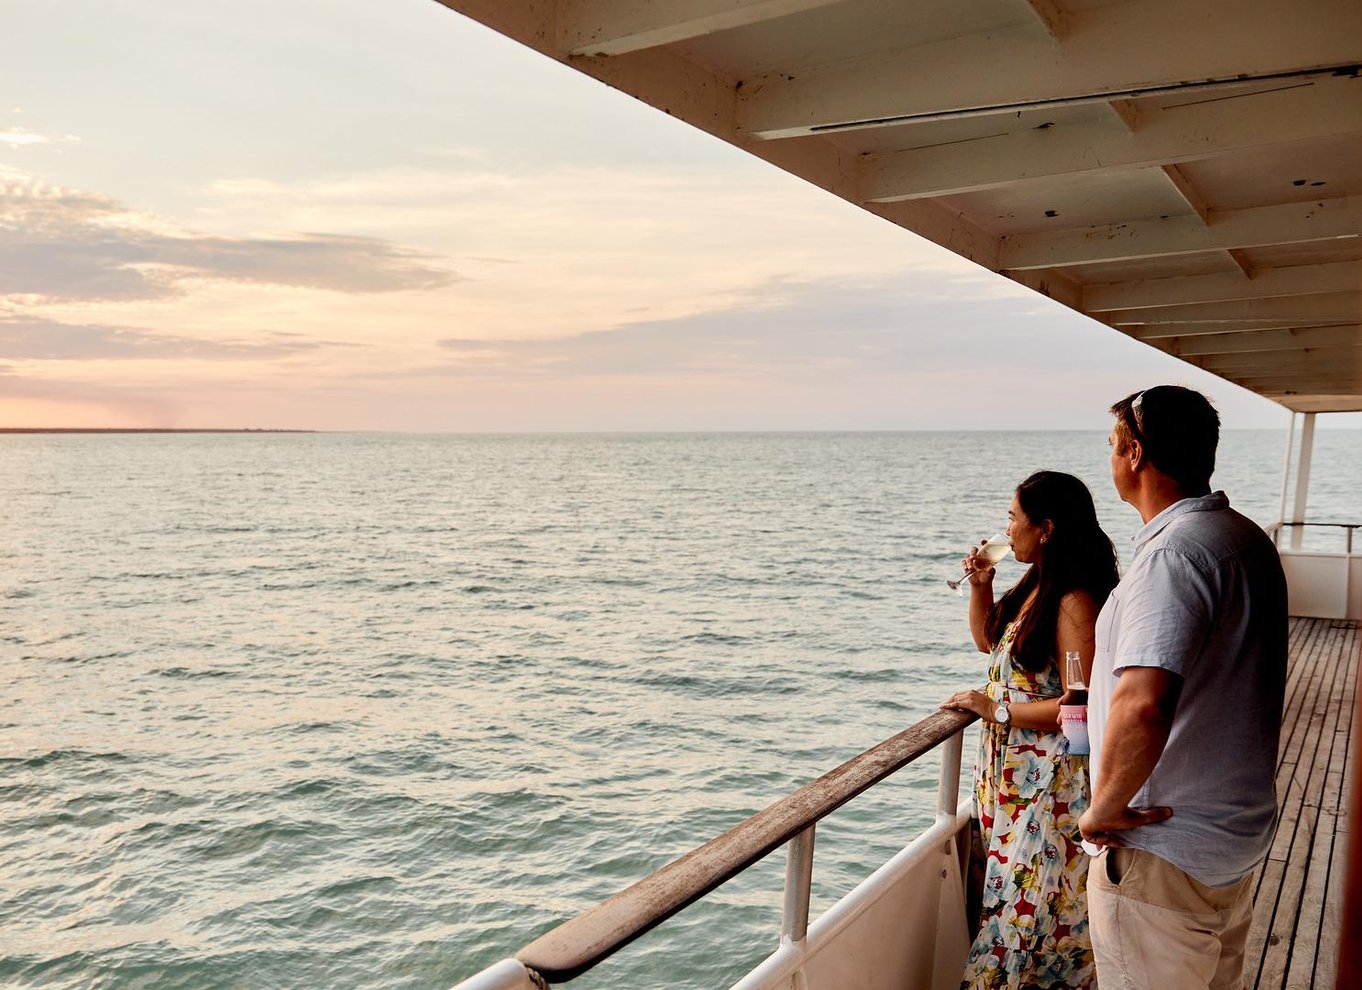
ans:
(67, 414)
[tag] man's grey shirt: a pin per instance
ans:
(1204, 598)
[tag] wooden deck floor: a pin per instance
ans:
(1297, 908)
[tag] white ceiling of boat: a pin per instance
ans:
(1187, 172)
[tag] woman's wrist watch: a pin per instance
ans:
(1001, 714)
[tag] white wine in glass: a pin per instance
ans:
(992, 550)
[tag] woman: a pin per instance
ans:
(1029, 792)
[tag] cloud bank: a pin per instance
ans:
(33, 339)
(60, 245)
(18, 137)
(897, 322)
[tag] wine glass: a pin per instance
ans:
(992, 550)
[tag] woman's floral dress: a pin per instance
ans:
(1029, 794)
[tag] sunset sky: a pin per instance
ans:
(377, 215)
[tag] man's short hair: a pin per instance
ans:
(1177, 428)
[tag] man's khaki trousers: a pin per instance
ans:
(1155, 928)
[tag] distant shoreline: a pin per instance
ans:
(18, 430)
(97, 429)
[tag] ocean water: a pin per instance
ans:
(374, 711)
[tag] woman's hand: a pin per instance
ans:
(978, 571)
(971, 701)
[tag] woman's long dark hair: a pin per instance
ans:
(1078, 556)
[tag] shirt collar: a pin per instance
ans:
(1202, 503)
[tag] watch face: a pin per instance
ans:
(1001, 713)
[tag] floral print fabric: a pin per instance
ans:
(1029, 794)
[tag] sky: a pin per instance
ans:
(379, 215)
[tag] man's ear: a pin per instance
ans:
(1135, 454)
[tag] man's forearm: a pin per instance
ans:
(1138, 723)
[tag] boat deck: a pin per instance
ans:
(1298, 906)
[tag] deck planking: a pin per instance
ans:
(1298, 900)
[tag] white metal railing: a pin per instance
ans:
(1321, 584)
(1275, 531)
(582, 942)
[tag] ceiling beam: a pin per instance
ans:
(1313, 362)
(1324, 403)
(1342, 276)
(1158, 331)
(1281, 386)
(1128, 113)
(1115, 51)
(529, 24)
(615, 27)
(1326, 397)
(1285, 223)
(1298, 112)
(949, 228)
(1186, 188)
(1286, 385)
(1324, 365)
(1257, 341)
(1342, 394)
(1300, 383)
(1338, 307)
(1052, 17)
(1055, 285)
(1240, 259)
(1189, 193)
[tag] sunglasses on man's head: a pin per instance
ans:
(1135, 421)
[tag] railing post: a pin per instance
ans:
(1348, 572)
(509, 974)
(1286, 477)
(1303, 478)
(794, 915)
(948, 786)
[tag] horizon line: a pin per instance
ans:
(98, 430)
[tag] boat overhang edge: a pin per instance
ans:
(1192, 179)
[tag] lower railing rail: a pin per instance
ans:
(1275, 530)
(582, 942)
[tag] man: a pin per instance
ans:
(1184, 711)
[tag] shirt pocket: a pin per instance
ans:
(1105, 632)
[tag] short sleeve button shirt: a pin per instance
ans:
(1205, 599)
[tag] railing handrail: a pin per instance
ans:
(580, 943)
(1338, 525)
(1275, 532)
